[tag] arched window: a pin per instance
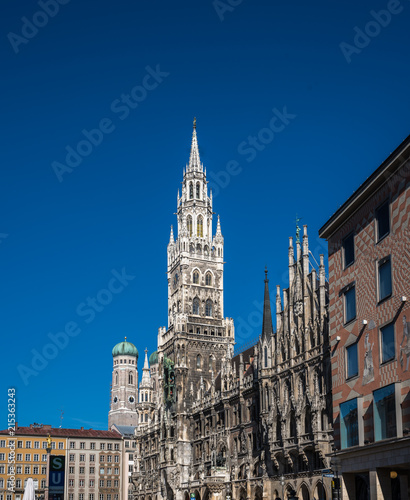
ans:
(146, 417)
(200, 227)
(266, 357)
(191, 191)
(189, 225)
(130, 378)
(116, 378)
(198, 361)
(208, 308)
(208, 279)
(195, 277)
(195, 306)
(198, 190)
(211, 363)
(146, 396)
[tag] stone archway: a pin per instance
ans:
(304, 492)
(320, 492)
(258, 493)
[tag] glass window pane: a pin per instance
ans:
(348, 245)
(350, 305)
(383, 221)
(385, 287)
(352, 364)
(385, 413)
(387, 341)
(349, 431)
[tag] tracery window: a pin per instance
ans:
(208, 308)
(200, 227)
(195, 277)
(195, 306)
(189, 225)
(208, 279)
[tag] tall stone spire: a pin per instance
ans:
(194, 161)
(171, 236)
(146, 376)
(267, 329)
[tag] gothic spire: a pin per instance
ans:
(267, 329)
(194, 161)
(171, 236)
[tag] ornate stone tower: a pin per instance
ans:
(145, 406)
(124, 386)
(198, 336)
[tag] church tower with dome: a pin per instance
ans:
(124, 385)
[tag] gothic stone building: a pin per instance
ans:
(212, 424)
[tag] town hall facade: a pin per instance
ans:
(211, 423)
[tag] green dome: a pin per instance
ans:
(125, 348)
(153, 359)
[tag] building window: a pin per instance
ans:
(19, 444)
(116, 446)
(72, 445)
(44, 458)
(208, 308)
(385, 282)
(71, 496)
(195, 306)
(384, 413)
(352, 361)
(82, 458)
(61, 446)
(383, 221)
(130, 378)
(92, 446)
(19, 457)
(82, 446)
(200, 227)
(44, 469)
(36, 445)
(71, 482)
(191, 191)
(195, 277)
(208, 279)
(36, 457)
(101, 483)
(102, 446)
(82, 470)
(109, 458)
(92, 483)
(28, 457)
(81, 483)
(71, 470)
(266, 357)
(35, 469)
(198, 191)
(349, 429)
(350, 303)
(92, 470)
(72, 457)
(387, 342)
(91, 496)
(117, 459)
(189, 225)
(348, 250)
(198, 361)
(116, 470)
(109, 446)
(28, 444)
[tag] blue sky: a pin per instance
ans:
(334, 74)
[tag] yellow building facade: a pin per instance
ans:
(23, 456)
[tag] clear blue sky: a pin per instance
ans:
(228, 66)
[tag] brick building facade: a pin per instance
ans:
(369, 314)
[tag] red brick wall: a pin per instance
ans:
(364, 272)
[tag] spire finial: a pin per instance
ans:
(125, 339)
(194, 160)
(298, 219)
(266, 274)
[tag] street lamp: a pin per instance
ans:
(282, 482)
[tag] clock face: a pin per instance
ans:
(115, 399)
(131, 399)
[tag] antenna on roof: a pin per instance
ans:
(61, 417)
